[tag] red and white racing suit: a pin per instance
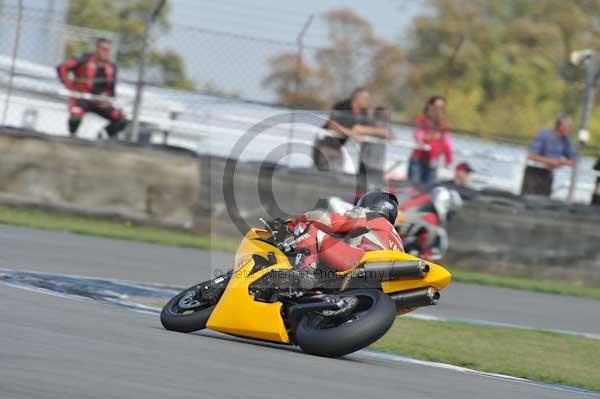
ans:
(363, 231)
(92, 76)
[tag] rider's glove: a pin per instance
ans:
(293, 222)
(299, 229)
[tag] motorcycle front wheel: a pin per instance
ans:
(371, 319)
(186, 312)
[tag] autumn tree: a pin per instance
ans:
(352, 43)
(128, 19)
(504, 64)
(354, 57)
(387, 81)
(296, 83)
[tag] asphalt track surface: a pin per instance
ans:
(52, 347)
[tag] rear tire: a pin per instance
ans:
(375, 316)
(172, 317)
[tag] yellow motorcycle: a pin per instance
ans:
(326, 313)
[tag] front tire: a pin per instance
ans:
(373, 317)
(176, 317)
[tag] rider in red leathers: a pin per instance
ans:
(367, 227)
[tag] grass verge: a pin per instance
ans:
(128, 231)
(524, 283)
(536, 355)
(112, 229)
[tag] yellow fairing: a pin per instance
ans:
(438, 277)
(237, 312)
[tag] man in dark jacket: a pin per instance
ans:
(350, 118)
(94, 74)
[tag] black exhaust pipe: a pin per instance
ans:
(416, 298)
(385, 271)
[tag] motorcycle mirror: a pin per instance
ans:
(267, 225)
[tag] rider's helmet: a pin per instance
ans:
(446, 202)
(382, 202)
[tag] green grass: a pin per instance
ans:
(112, 229)
(524, 283)
(536, 355)
(128, 231)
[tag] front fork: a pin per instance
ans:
(210, 291)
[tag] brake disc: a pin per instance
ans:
(190, 300)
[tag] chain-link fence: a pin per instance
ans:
(239, 81)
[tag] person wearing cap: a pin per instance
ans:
(550, 150)
(460, 181)
(461, 174)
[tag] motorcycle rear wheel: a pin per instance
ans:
(372, 318)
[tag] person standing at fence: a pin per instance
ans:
(432, 137)
(550, 150)
(94, 74)
(596, 193)
(350, 118)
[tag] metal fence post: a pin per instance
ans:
(592, 70)
(297, 78)
(135, 129)
(15, 54)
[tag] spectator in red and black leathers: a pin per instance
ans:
(432, 135)
(95, 74)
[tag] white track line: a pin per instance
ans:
(487, 323)
(409, 360)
